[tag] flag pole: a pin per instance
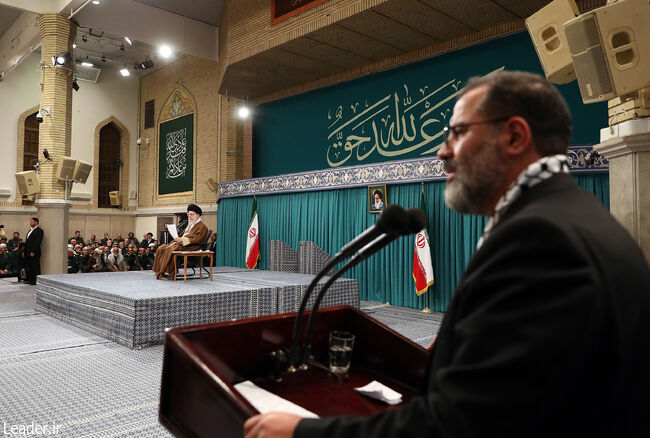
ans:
(427, 308)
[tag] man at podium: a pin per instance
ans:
(548, 332)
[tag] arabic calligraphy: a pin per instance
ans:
(175, 153)
(398, 123)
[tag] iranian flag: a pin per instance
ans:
(253, 240)
(422, 265)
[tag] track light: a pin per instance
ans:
(122, 48)
(46, 154)
(125, 72)
(103, 58)
(144, 65)
(61, 59)
(128, 40)
(84, 38)
(75, 85)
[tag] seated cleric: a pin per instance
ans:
(193, 236)
(548, 331)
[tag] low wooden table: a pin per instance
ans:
(186, 254)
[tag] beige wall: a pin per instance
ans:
(218, 149)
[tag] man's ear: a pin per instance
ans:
(519, 138)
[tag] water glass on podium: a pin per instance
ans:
(340, 351)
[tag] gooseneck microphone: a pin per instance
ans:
(414, 223)
(392, 218)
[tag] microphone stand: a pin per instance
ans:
(362, 255)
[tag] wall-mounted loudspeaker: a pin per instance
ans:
(65, 168)
(546, 31)
(28, 182)
(115, 198)
(610, 48)
(81, 171)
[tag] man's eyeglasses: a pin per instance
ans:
(456, 129)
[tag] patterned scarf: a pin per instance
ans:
(535, 173)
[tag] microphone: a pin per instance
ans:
(180, 228)
(392, 218)
(416, 221)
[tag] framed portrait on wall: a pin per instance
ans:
(377, 199)
(283, 9)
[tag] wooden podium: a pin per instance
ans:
(202, 363)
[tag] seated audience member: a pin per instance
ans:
(105, 240)
(109, 243)
(93, 239)
(7, 267)
(20, 262)
(131, 259)
(77, 237)
(77, 249)
(548, 331)
(146, 240)
(101, 259)
(72, 241)
(122, 246)
(116, 260)
(84, 262)
(119, 238)
(12, 244)
(145, 261)
(133, 239)
(73, 262)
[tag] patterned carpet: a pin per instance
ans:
(53, 373)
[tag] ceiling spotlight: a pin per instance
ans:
(165, 51)
(61, 59)
(128, 40)
(125, 72)
(75, 85)
(87, 64)
(46, 154)
(243, 112)
(103, 58)
(122, 48)
(96, 2)
(74, 45)
(84, 38)
(147, 63)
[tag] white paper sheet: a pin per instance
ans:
(172, 230)
(381, 392)
(265, 401)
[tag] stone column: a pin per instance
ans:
(627, 146)
(57, 35)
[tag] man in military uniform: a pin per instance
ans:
(77, 237)
(131, 259)
(146, 262)
(12, 244)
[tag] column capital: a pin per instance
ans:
(625, 138)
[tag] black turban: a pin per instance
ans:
(195, 208)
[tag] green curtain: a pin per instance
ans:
(334, 217)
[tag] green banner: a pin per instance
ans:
(176, 155)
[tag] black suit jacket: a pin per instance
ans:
(548, 333)
(33, 242)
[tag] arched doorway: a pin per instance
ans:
(110, 163)
(30, 147)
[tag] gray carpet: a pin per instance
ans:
(54, 373)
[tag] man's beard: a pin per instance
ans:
(476, 181)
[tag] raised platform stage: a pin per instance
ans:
(134, 309)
